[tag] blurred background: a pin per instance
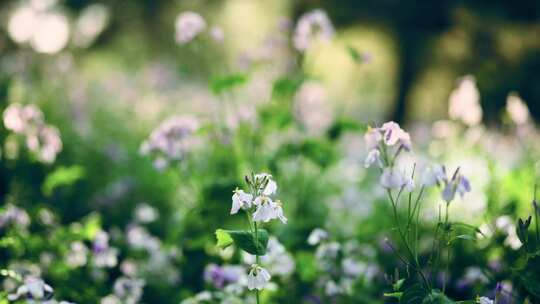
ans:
(87, 89)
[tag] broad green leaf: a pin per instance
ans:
(437, 297)
(225, 83)
(61, 177)
(286, 87)
(413, 295)
(245, 240)
(343, 125)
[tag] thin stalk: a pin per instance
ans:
(403, 238)
(256, 256)
(536, 216)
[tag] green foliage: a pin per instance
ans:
(245, 240)
(221, 84)
(62, 177)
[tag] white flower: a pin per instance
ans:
(433, 176)
(312, 26)
(316, 236)
(265, 210)
(271, 185)
(374, 156)
(457, 184)
(464, 102)
(485, 300)
(188, 25)
(240, 199)
(268, 210)
(257, 278)
(145, 213)
(392, 178)
(33, 288)
(517, 109)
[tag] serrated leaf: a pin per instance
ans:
(244, 240)
(221, 84)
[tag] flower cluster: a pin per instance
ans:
(457, 184)
(311, 27)
(262, 188)
(171, 140)
(260, 208)
(385, 144)
(189, 25)
(41, 138)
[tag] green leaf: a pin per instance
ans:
(343, 125)
(61, 177)
(437, 297)
(286, 86)
(397, 285)
(413, 295)
(221, 84)
(223, 238)
(393, 294)
(244, 240)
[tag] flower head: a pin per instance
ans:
(266, 184)
(257, 278)
(393, 178)
(240, 200)
(32, 289)
(457, 184)
(312, 26)
(188, 25)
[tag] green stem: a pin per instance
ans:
(416, 264)
(257, 256)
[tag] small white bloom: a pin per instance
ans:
(257, 278)
(33, 288)
(316, 236)
(485, 300)
(188, 25)
(217, 34)
(374, 156)
(265, 209)
(240, 199)
(278, 211)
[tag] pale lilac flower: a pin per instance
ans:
(129, 290)
(145, 213)
(188, 25)
(464, 102)
(393, 178)
(258, 277)
(14, 215)
(103, 255)
(485, 300)
(373, 157)
(241, 200)
(311, 27)
(316, 236)
(171, 140)
(312, 108)
(220, 276)
(393, 134)
(372, 137)
(77, 255)
(457, 184)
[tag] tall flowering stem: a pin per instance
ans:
(385, 144)
(260, 207)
